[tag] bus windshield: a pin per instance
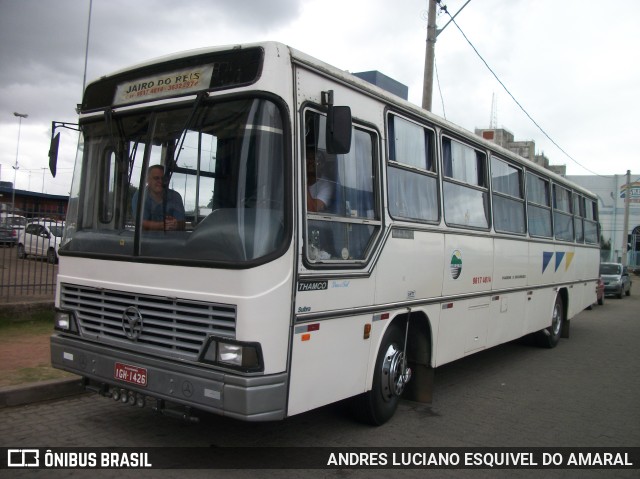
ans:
(205, 182)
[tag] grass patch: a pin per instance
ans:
(32, 374)
(26, 327)
(26, 323)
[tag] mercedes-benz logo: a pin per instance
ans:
(187, 389)
(132, 323)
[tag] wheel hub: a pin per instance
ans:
(394, 377)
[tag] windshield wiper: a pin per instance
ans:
(108, 118)
(171, 166)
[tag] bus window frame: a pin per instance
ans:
(558, 212)
(486, 189)
(325, 216)
(579, 217)
(591, 205)
(432, 174)
(522, 199)
(547, 207)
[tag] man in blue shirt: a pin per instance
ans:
(156, 215)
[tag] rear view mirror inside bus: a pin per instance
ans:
(338, 130)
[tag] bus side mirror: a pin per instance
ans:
(53, 154)
(338, 139)
(55, 143)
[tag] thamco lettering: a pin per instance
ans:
(313, 286)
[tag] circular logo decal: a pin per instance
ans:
(456, 264)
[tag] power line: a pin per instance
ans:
(435, 64)
(444, 9)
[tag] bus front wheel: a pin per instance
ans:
(390, 377)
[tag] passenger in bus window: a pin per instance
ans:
(320, 190)
(157, 213)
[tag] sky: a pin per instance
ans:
(571, 65)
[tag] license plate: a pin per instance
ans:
(130, 374)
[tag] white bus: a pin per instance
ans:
(298, 252)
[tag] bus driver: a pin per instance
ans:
(155, 215)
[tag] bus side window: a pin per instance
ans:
(466, 200)
(340, 198)
(412, 182)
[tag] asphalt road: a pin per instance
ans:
(583, 393)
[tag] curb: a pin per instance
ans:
(40, 391)
(18, 307)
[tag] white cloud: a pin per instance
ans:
(569, 65)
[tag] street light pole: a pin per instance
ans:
(15, 167)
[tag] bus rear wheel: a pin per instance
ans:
(390, 377)
(549, 337)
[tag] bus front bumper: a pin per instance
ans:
(248, 398)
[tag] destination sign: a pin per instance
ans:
(164, 85)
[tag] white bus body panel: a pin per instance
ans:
(410, 267)
(328, 364)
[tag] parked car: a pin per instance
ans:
(41, 238)
(616, 279)
(8, 236)
(16, 222)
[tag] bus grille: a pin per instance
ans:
(171, 327)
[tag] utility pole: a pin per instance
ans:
(427, 86)
(625, 232)
(430, 54)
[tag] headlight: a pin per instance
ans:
(230, 354)
(65, 321)
(243, 356)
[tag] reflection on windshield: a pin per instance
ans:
(145, 187)
(57, 231)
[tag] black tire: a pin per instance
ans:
(21, 252)
(549, 337)
(378, 405)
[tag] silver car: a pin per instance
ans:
(616, 279)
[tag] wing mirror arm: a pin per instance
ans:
(55, 143)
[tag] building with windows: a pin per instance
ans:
(612, 191)
(32, 204)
